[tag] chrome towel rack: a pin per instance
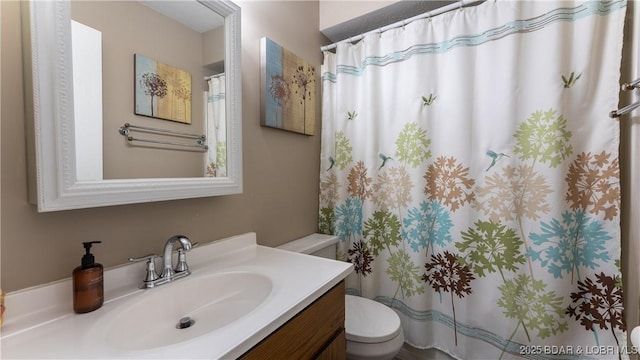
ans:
(633, 85)
(200, 139)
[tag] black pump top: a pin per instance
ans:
(88, 259)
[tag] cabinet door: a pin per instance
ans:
(307, 334)
(336, 350)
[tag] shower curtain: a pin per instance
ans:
(470, 169)
(216, 160)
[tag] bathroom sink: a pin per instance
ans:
(183, 310)
(238, 293)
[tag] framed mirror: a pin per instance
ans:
(115, 107)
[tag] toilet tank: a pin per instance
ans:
(315, 244)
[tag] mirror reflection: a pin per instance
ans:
(159, 68)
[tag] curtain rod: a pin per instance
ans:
(434, 12)
(213, 76)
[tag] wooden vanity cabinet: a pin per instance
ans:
(317, 332)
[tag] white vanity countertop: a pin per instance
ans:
(40, 323)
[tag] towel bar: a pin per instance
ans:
(201, 140)
(633, 85)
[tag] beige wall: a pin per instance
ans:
(280, 198)
(213, 45)
(630, 170)
(145, 32)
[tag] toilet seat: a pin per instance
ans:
(367, 321)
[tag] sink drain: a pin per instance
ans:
(185, 322)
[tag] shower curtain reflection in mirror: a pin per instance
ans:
(216, 161)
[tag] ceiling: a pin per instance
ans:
(190, 13)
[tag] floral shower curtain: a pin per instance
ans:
(470, 170)
(216, 161)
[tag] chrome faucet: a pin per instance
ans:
(167, 269)
(169, 273)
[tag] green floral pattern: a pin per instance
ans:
(507, 202)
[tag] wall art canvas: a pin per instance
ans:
(162, 91)
(288, 90)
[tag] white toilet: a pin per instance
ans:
(372, 329)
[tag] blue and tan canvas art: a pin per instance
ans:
(162, 91)
(288, 88)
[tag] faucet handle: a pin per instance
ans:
(181, 266)
(151, 275)
(143, 258)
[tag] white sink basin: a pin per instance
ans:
(211, 301)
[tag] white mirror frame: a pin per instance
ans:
(52, 161)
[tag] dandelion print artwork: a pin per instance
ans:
(288, 90)
(162, 91)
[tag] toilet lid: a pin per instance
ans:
(367, 321)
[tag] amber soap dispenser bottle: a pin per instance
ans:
(88, 284)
